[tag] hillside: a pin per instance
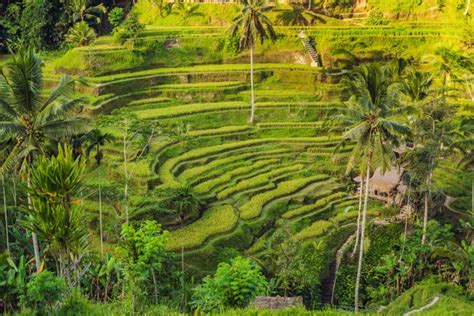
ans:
(167, 96)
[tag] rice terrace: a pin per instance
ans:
(250, 157)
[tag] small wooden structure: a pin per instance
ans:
(277, 302)
(387, 187)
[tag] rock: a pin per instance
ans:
(172, 43)
(276, 302)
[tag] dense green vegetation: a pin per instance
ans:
(173, 158)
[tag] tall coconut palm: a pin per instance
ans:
(97, 139)
(29, 121)
(372, 123)
(416, 87)
(251, 26)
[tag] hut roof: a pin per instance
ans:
(386, 182)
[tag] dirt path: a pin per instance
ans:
(430, 304)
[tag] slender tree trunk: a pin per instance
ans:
(252, 93)
(468, 5)
(125, 190)
(425, 218)
(7, 239)
(362, 237)
(133, 300)
(155, 285)
(310, 3)
(358, 215)
(182, 271)
(33, 234)
(100, 217)
(427, 201)
(14, 191)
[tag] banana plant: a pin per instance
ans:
(12, 280)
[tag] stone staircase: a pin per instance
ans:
(315, 57)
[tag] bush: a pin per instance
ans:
(129, 30)
(76, 304)
(233, 285)
(81, 34)
(115, 17)
(43, 291)
(376, 18)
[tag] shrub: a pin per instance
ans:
(81, 34)
(115, 17)
(43, 291)
(144, 255)
(76, 304)
(233, 285)
(129, 30)
(376, 18)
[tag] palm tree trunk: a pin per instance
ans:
(252, 94)
(425, 215)
(33, 234)
(468, 5)
(125, 190)
(358, 216)
(182, 270)
(425, 218)
(100, 217)
(362, 237)
(7, 239)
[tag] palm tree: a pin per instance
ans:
(30, 121)
(186, 11)
(96, 140)
(185, 204)
(371, 121)
(82, 12)
(81, 34)
(416, 85)
(250, 26)
(298, 15)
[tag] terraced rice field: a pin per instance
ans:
(252, 177)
